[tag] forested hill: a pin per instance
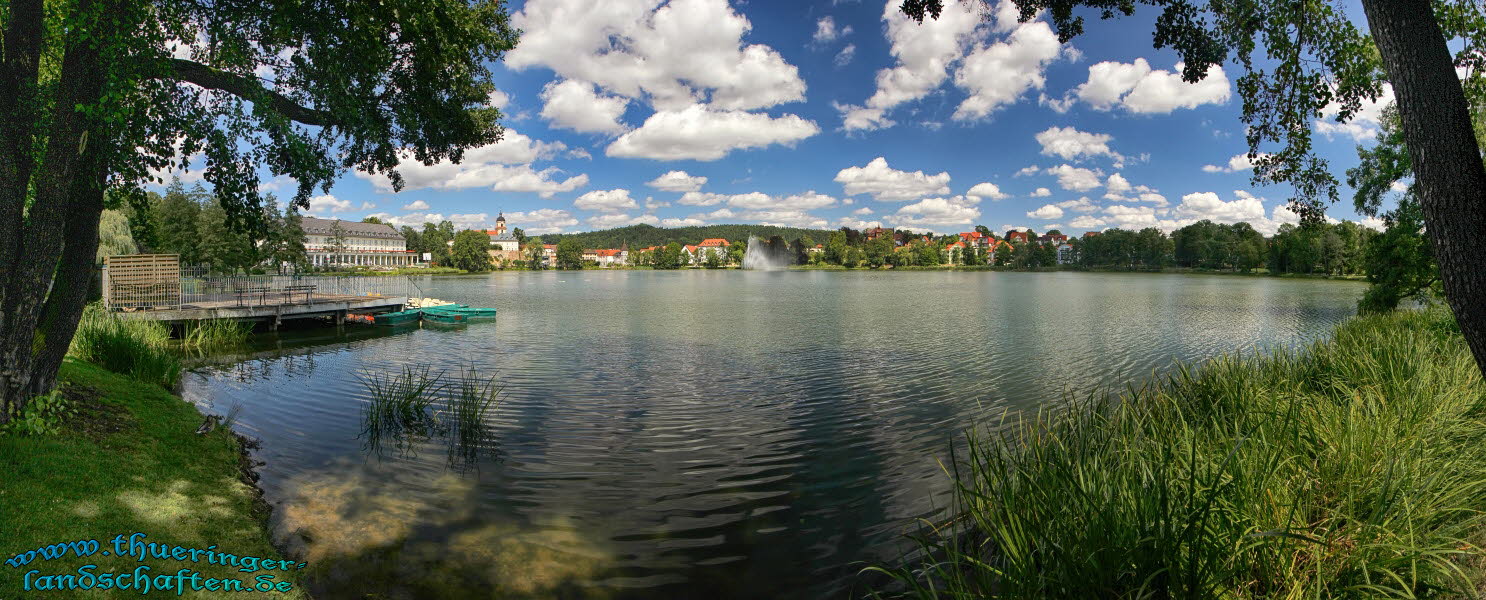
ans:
(643, 236)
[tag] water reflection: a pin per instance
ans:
(709, 433)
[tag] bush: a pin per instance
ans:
(1355, 468)
(135, 347)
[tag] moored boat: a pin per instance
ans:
(398, 318)
(444, 316)
(471, 311)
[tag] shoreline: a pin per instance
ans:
(992, 269)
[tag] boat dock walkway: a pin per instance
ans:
(274, 310)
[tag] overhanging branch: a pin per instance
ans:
(249, 89)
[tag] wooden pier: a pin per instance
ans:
(157, 287)
(318, 306)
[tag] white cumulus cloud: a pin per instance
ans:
(678, 181)
(671, 54)
(575, 105)
(997, 74)
(1071, 144)
(987, 190)
(887, 184)
(1239, 162)
(931, 212)
(1138, 88)
(541, 221)
(606, 201)
(1048, 211)
(699, 132)
(1075, 179)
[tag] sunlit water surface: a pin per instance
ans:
(719, 434)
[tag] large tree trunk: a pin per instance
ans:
(69, 295)
(33, 265)
(18, 72)
(1447, 161)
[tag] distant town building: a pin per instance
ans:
(609, 257)
(975, 239)
(1052, 238)
(956, 251)
(1065, 253)
(1017, 237)
(335, 243)
(716, 246)
(1089, 234)
(877, 232)
(503, 245)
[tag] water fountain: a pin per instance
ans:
(759, 256)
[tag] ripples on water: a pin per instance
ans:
(705, 433)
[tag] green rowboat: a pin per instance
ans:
(398, 318)
(471, 312)
(446, 317)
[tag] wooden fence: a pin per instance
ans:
(142, 281)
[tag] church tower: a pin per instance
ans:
(500, 224)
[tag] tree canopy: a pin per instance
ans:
(98, 94)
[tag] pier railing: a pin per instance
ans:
(156, 282)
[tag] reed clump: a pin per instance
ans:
(469, 434)
(139, 348)
(401, 402)
(214, 335)
(416, 403)
(1353, 468)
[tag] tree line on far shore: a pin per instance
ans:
(194, 224)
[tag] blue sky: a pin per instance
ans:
(830, 113)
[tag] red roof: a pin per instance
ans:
(606, 252)
(714, 242)
(956, 245)
(1089, 234)
(689, 248)
(1022, 235)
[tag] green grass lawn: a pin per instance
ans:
(129, 462)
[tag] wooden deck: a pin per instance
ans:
(274, 309)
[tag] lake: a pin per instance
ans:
(727, 434)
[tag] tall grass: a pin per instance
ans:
(1355, 468)
(135, 347)
(214, 335)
